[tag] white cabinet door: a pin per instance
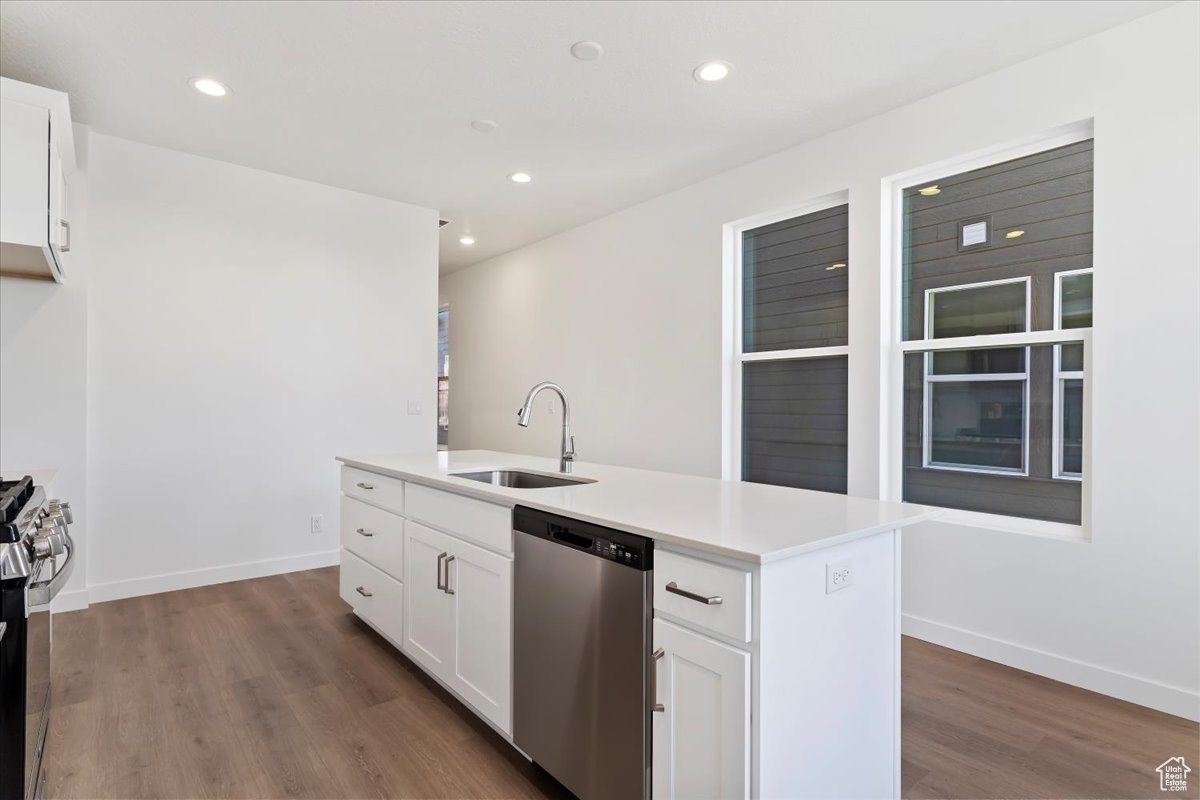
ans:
(482, 585)
(59, 228)
(702, 736)
(375, 597)
(429, 609)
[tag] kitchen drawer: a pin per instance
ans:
(704, 579)
(374, 596)
(474, 520)
(375, 535)
(378, 489)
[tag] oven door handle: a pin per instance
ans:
(43, 592)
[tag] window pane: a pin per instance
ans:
(1072, 427)
(1072, 358)
(979, 424)
(997, 361)
(1039, 213)
(978, 311)
(1076, 311)
(794, 423)
(972, 457)
(793, 294)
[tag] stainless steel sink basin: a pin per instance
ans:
(518, 479)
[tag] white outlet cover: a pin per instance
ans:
(316, 523)
(839, 575)
(414, 407)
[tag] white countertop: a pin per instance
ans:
(747, 521)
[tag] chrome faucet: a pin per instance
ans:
(568, 441)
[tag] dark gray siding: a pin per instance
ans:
(792, 298)
(794, 423)
(1049, 196)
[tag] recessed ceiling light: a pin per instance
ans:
(520, 177)
(712, 71)
(210, 87)
(587, 51)
(839, 265)
(1014, 234)
(467, 240)
(484, 125)
(930, 191)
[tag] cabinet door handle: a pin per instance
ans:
(447, 588)
(654, 704)
(367, 486)
(362, 590)
(364, 532)
(65, 248)
(440, 584)
(715, 600)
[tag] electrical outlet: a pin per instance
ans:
(839, 575)
(552, 406)
(316, 523)
(414, 407)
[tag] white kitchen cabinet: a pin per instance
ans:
(481, 582)
(429, 629)
(374, 596)
(701, 738)
(36, 155)
(459, 623)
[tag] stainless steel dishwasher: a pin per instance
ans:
(581, 651)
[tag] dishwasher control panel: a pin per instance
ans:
(615, 551)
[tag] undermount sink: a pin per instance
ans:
(518, 479)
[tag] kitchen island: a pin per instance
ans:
(787, 686)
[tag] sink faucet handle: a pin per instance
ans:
(570, 453)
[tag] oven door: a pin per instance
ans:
(37, 685)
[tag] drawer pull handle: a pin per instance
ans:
(715, 600)
(367, 486)
(655, 706)
(362, 590)
(447, 588)
(364, 532)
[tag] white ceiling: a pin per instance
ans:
(378, 96)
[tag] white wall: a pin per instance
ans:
(244, 329)
(43, 370)
(626, 313)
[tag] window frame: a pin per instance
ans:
(1060, 378)
(928, 378)
(733, 320)
(895, 347)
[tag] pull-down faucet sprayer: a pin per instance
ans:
(568, 441)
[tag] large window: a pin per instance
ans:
(789, 373)
(997, 311)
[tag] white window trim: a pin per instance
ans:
(1061, 375)
(891, 477)
(927, 381)
(733, 358)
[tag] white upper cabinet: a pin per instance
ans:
(37, 152)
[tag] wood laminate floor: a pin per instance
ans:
(270, 688)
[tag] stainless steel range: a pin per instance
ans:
(36, 558)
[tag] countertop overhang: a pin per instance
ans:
(746, 521)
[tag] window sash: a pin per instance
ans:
(1061, 376)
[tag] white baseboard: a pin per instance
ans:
(1143, 692)
(170, 582)
(69, 601)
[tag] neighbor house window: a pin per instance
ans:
(997, 312)
(789, 368)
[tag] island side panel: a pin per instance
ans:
(828, 693)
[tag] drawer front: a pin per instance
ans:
(675, 574)
(375, 535)
(374, 596)
(474, 520)
(378, 489)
